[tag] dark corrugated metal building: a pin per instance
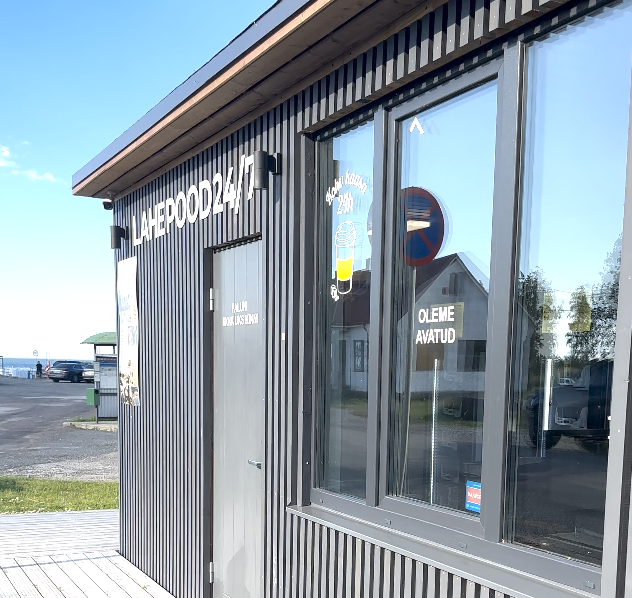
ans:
(457, 429)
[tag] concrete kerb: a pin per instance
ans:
(101, 426)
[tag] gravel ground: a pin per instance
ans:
(34, 442)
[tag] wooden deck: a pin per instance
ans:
(68, 555)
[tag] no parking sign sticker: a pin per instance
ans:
(425, 226)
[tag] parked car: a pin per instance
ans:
(88, 374)
(67, 370)
(577, 412)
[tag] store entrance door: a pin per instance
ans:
(238, 423)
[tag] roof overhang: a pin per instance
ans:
(101, 339)
(290, 47)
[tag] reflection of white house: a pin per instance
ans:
(350, 343)
(447, 330)
(452, 281)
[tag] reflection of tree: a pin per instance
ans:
(537, 299)
(578, 337)
(593, 323)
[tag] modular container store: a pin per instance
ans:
(457, 429)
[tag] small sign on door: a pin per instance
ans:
(473, 496)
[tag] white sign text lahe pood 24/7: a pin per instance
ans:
(198, 202)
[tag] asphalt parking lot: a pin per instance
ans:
(34, 442)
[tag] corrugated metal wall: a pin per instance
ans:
(164, 491)
(328, 563)
(165, 469)
(163, 486)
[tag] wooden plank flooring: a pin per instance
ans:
(68, 555)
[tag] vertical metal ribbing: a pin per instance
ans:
(163, 493)
(275, 302)
(315, 103)
(330, 101)
(453, 26)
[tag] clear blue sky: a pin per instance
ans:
(74, 76)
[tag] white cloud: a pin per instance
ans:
(47, 176)
(26, 143)
(7, 163)
(4, 151)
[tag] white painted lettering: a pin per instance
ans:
(170, 210)
(450, 313)
(144, 230)
(435, 315)
(240, 181)
(151, 223)
(136, 240)
(192, 214)
(229, 190)
(181, 202)
(198, 202)
(249, 166)
(160, 219)
(218, 206)
(205, 211)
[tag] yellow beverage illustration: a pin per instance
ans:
(345, 244)
(344, 268)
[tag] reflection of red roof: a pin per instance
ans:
(354, 309)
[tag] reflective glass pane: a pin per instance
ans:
(345, 198)
(441, 283)
(576, 124)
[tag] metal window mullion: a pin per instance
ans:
(306, 337)
(392, 150)
(616, 577)
(375, 335)
(500, 301)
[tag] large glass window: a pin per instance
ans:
(442, 238)
(345, 198)
(576, 125)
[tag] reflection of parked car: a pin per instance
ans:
(566, 382)
(67, 370)
(581, 413)
(88, 375)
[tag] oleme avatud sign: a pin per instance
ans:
(450, 318)
(199, 202)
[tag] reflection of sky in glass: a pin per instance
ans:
(354, 152)
(454, 160)
(577, 135)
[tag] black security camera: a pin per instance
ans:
(108, 204)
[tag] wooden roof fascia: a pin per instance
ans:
(207, 134)
(295, 25)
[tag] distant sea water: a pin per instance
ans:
(29, 362)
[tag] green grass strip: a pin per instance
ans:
(30, 495)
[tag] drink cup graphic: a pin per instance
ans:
(345, 243)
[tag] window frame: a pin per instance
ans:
(389, 509)
(476, 526)
(434, 528)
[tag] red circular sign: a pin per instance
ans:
(425, 226)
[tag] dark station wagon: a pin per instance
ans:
(67, 370)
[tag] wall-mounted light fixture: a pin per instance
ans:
(116, 234)
(264, 164)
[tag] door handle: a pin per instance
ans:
(256, 464)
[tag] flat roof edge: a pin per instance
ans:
(275, 16)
